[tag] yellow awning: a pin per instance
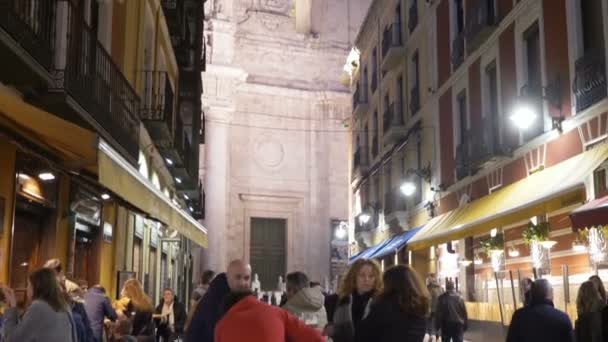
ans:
(123, 179)
(71, 141)
(545, 191)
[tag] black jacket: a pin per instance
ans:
(387, 322)
(589, 327)
(540, 321)
(179, 315)
(208, 311)
(450, 309)
(143, 326)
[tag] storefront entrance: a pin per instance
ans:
(86, 208)
(26, 252)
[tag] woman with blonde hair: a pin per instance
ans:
(362, 283)
(589, 305)
(139, 309)
(399, 312)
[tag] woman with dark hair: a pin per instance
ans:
(139, 309)
(399, 312)
(362, 282)
(48, 318)
(599, 286)
(589, 305)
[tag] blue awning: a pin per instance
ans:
(367, 253)
(395, 243)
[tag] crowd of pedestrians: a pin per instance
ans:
(369, 306)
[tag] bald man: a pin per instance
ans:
(210, 308)
(239, 276)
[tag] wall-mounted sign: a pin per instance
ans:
(338, 247)
(153, 234)
(139, 226)
(107, 232)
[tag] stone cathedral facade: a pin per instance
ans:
(274, 164)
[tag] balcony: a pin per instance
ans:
(589, 84)
(395, 205)
(457, 51)
(394, 126)
(413, 17)
(360, 101)
(187, 169)
(360, 162)
(196, 202)
(393, 51)
(414, 100)
(480, 24)
(27, 36)
(463, 160)
(90, 89)
(485, 145)
(374, 83)
(190, 85)
(158, 107)
(375, 147)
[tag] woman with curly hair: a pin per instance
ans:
(400, 310)
(362, 282)
(139, 309)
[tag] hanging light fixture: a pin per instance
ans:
(513, 252)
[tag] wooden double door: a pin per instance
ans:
(268, 241)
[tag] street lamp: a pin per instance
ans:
(525, 112)
(523, 116)
(364, 218)
(408, 188)
(342, 231)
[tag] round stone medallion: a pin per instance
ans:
(269, 153)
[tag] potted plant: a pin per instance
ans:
(492, 244)
(538, 233)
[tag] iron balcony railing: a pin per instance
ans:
(360, 96)
(482, 18)
(190, 85)
(178, 139)
(374, 82)
(31, 23)
(391, 37)
(590, 79)
(169, 4)
(413, 16)
(158, 105)
(388, 117)
(463, 158)
(360, 157)
(197, 205)
(97, 84)
(388, 203)
(357, 159)
(415, 100)
(458, 50)
(485, 143)
(375, 146)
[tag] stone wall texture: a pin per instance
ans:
(275, 141)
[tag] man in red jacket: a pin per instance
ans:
(248, 319)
